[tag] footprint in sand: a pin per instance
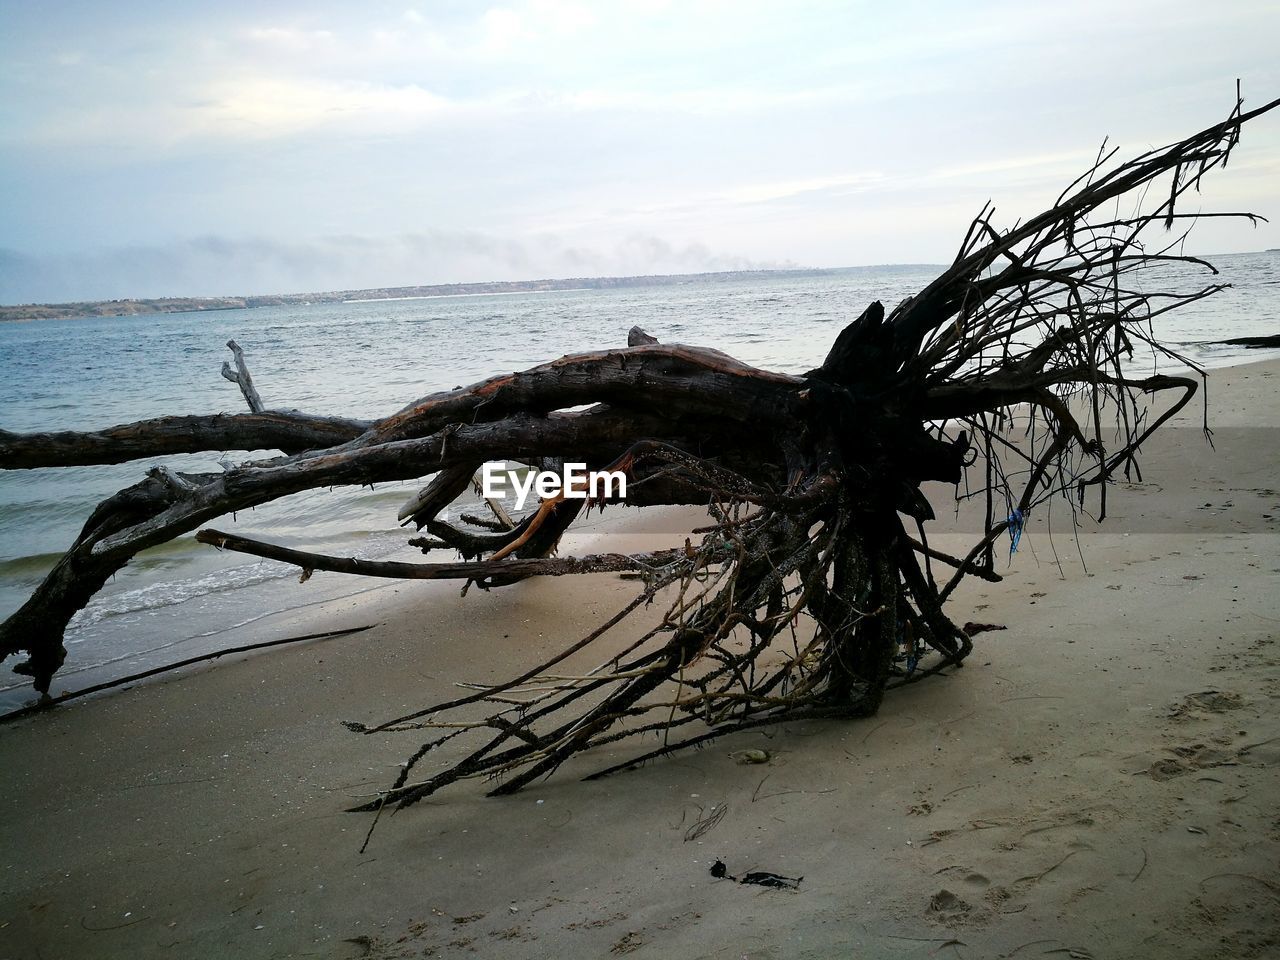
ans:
(1190, 757)
(947, 907)
(1206, 702)
(967, 876)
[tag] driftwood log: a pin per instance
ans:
(814, 588)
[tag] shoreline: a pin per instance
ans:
(153, 620)
(1100, 777)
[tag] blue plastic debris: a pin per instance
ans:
(1016, 521)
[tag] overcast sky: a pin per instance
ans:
(171, 148)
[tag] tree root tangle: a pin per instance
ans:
(806, 596)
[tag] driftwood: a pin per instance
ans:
(807, 595)
(240, 376)
(1271, 341)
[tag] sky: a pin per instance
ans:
(197, 149)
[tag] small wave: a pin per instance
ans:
(173, 592)
(160, 557)
(376, 544)
(25, 569)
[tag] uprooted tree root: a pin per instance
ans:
(807, 585)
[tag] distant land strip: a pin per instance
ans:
(135, 307)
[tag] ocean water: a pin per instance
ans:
(367, 359)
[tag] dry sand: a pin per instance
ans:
(1100, 780)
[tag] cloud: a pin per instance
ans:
(291, 38)
(246, 107)
(824, 132)
(273, 107)
(785, 189)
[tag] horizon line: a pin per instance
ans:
(346, 292)
(347, 295)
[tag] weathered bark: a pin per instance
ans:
(240, 376)
(285, 430)
(467, 570)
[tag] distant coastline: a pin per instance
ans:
(139, 306)
(136, 307)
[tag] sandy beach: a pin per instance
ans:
(1099, 781)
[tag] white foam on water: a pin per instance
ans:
(170, 593)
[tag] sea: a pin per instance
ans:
(366, 359)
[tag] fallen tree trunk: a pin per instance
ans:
(1271, 341)
(286, 430)
(806, 596)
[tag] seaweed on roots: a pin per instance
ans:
(806, 590)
